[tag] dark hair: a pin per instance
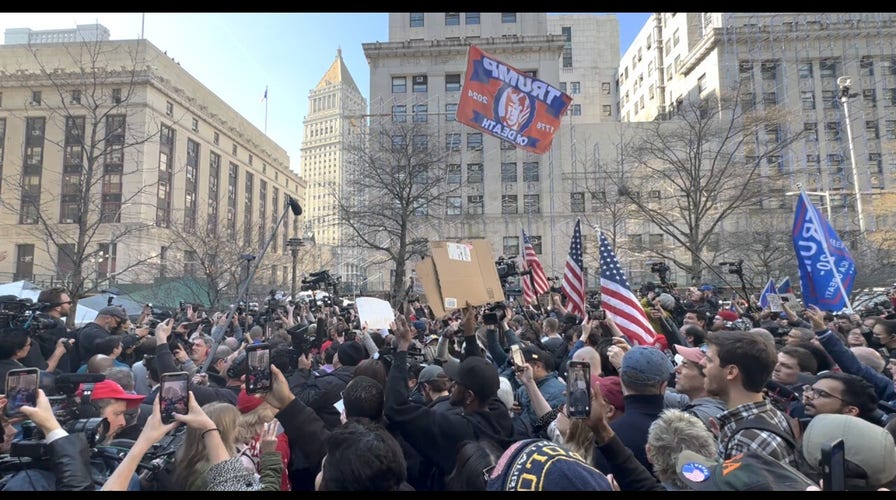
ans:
(362, 456)
(823, 360)
(373, 368)
(363, 398)
(11, 340)
(754, 356)
(698, 334)
(106, 345)
(889, 324)
(804, 358)
(52, 296)
(700, 312)
(330, 352)
(472, 458)
(857, 391)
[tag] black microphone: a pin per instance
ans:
(79, 378)
(294, 206)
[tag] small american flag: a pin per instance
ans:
(573, 277)
(618, 300)
(535, 282)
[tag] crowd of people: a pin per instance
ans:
(730, 397)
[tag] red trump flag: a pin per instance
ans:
(507, 103)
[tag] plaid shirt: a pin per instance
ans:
(755, 439)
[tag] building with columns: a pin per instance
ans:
(135, 177)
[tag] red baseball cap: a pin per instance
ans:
(109, 389)
(692, 354)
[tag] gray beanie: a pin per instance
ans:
(667, 301)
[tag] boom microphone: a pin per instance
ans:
(79, 378)
(294, 206)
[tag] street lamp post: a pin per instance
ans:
(294, 244)
(845, 82)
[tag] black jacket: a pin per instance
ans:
(71, 463)
(320, 392)
(438, 435)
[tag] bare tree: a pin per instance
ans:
(712, 159)
(398, 183)
(97, 108)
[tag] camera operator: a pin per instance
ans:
(68, 452)
(15, 342)
(111, 320)
(56, 305)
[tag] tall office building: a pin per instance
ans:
(126, 164)
(790, 61)
(337, 110)
(419, 74)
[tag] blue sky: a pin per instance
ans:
(237, 55)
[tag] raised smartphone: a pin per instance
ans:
(258, 375)
(174, 395)
(833, 466)
(516, 355)
(21, 390)
(578, 389)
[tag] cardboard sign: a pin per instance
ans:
(459, 273)
(377, 313)
(509, 104)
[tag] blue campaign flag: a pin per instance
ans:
(827, 270)
(785, 286)
(769, 288)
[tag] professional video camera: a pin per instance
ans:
(734, 267)
(494, 314)
(317, 280)
(25, 313)
(661, 269)
(507, 268)
(74, 416)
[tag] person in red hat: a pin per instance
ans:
(723, 319)
(255, 413)
(111, 402)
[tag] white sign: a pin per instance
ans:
(459, 251)
(377, 313)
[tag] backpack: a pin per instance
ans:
(792, 438)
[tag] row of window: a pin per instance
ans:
(416, 19)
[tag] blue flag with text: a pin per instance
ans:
(769, 289)
(827, 270)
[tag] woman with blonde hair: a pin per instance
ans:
(191, 460)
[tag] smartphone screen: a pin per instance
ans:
(258, 376)
(21, 390)
(517, 355)
(833, 466)
(578, 389)
(174, 395)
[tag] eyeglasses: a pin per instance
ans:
(487, 472)
(813, 393)
(66, 302)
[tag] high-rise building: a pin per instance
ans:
(110, 169)
(337, 110)
(419, 73)
(789, 61)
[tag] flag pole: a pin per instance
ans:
(827, 253)
(265, 110)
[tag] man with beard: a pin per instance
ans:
(737, 366)
(57, 305)
(111, 320)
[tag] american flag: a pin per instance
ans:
(536, 282)
(573, 277)
(618, 300)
